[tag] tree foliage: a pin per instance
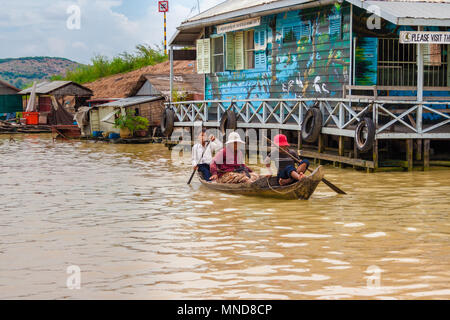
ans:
(101, 66)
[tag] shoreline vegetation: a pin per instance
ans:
(102, 66)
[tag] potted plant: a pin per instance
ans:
(130, 125)
(126, 125)
(141, 125)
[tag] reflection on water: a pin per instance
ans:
(126, 217)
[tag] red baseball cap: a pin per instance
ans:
(281, 140)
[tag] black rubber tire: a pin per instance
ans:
(167, 122)
(228, 121)
(365, 134)
(312, 125)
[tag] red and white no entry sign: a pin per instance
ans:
(163, 6)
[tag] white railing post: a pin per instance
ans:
(419, 119)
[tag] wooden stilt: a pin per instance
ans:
(355, 152)
(426, 154)
(299, 140)
(409, 154)
(247, 153)
(375, 154)
(418, 150)
(341, 149)
(320, 146)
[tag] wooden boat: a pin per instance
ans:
(269, 187)
(67, 131)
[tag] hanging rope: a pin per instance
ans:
(279, 192)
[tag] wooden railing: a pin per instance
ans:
(340, 116)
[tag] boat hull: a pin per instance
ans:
(268, 187)
(67, 131)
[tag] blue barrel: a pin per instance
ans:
(114, 136)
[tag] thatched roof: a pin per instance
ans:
(122, 85)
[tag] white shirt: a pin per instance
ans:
(197, 151)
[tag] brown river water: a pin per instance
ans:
(124, 215)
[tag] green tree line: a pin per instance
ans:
(101, 66)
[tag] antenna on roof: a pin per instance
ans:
(198, 5)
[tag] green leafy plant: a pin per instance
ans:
(131, 122)
(178, 96)
(141, 123)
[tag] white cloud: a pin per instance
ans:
(39, 27)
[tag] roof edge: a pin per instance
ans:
(9, 85)
(402, 21)
(253, 11)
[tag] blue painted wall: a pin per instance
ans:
(312, 66)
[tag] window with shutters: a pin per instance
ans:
(203, 56)
(335, 26)
(289, 35)
(249, 47)
(260, 49)
(218, 54)
(230, 51)
(239, 53)
(245, 50)
(200, 56)
(298, 32)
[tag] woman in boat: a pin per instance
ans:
(201, 157)
(228, 164)
(287, 173)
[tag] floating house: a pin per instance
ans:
(146, 98)
(375, 72)
(66, 93)
(10, 100)
(102, 116)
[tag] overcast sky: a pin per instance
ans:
(107, 27)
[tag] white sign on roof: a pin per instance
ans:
(239, 25)
(425, 37)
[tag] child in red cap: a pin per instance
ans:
(287, 173)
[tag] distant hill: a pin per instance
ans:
(20, 72)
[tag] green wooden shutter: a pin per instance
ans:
(230, 51)
(200, 56)
(239, 50)
(207, 56)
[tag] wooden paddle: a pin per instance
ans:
(195, 169)
(328, 183)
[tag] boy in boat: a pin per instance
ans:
(201, 154)
(287, 173)
(228, 164)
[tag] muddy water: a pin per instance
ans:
(125, 216)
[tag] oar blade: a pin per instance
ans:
(333, 187)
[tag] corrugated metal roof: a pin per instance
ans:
(412, 13)
(230, 6)
(407, 12)
(234, 10)
(46, 87)
(235, 5)
(49, 87)
(131, 101)
(6, 84)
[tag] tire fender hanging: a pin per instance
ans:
(228, 121)
(365, 134)
(167, 122)
(312, 125)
